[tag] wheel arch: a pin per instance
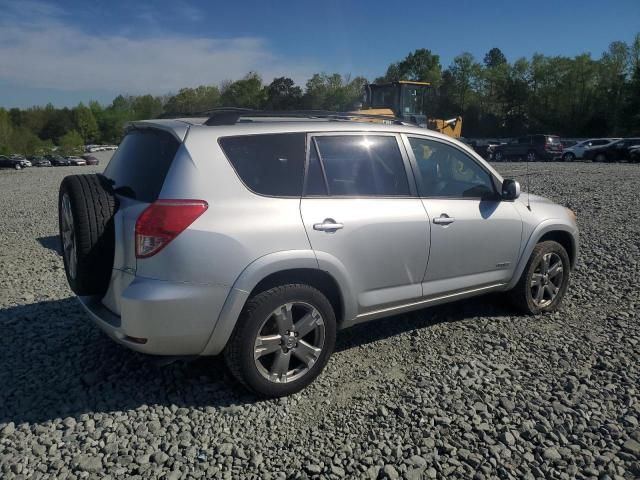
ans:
(554, 229)
(294, 266)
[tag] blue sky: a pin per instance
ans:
(76, 50)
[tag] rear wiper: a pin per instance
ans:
(126, 191)
(123, 190)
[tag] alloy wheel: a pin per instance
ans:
(289, 342)
(546, 280)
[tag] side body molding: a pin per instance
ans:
(546, 226)
(262, 268)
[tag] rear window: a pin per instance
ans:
(553, 140)
(140, 165)
(270, 164)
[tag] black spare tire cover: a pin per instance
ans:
(86, 206)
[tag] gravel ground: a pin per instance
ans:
(470, 390)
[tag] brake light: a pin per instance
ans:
(164, 220)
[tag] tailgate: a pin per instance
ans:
(138, 170)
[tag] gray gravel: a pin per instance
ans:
(470, 390)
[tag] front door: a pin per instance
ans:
(362, 215)
(475, 236)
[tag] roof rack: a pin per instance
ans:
(232, 115)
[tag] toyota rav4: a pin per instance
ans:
(260, 236)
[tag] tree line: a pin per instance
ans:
(572, 96)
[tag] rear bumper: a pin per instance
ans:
(161, 318)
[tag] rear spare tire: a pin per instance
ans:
(86, 205)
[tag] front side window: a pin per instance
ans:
(271, 164)
(363, 165)
(445, 171)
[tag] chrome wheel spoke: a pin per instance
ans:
(280, 366)
(284, 319)
(539, 294)
(267, 344)
(307, 353)
(307, 323)
(536, 279)
(555, 270)
(280, 353)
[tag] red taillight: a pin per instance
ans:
(164, 220)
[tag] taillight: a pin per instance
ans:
(164, 220)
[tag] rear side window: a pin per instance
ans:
(140, 165)
(367, 165)
(270, 164)
(553, 140)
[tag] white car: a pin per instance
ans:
(577, 151)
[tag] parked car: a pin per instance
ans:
(15, 163)
(634, 153)
(21, 158)
(569, 154)
(58, 161)
(611, 152)
(90, 159)
(39, 161)
(485, 148)
(231, 239)
(76, 161)
(531, 148)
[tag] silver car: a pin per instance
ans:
(259, 238)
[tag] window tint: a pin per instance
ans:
(599, 142)
(268, 164)
(363, 165)
(446, 171)
(524, 140)
(140, 165)
(315, 177)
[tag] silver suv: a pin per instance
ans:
(260, 237)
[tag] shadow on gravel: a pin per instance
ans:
(55, 363)
(491, 305)
(52, 242)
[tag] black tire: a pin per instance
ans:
(522, 295)
(532, 156)
(17, 166)
(601, 157)
(568, 157)
(499, 157)
(92, 206)
(239, 352)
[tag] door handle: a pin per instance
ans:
(328, 225)
(444, 219)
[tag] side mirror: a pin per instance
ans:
(510, 189)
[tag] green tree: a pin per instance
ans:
(6, 132)
(494, 58)
(283, 94)
(247, 92)
(71, 142)
(24, 141)
(193, 100)
(421, 65)
(146, 106)
(85, 123)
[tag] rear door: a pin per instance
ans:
(362, 216)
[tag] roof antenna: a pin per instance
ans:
(528, 185)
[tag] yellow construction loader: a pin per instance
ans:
(409, 101)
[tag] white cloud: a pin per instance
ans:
(48, 52)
